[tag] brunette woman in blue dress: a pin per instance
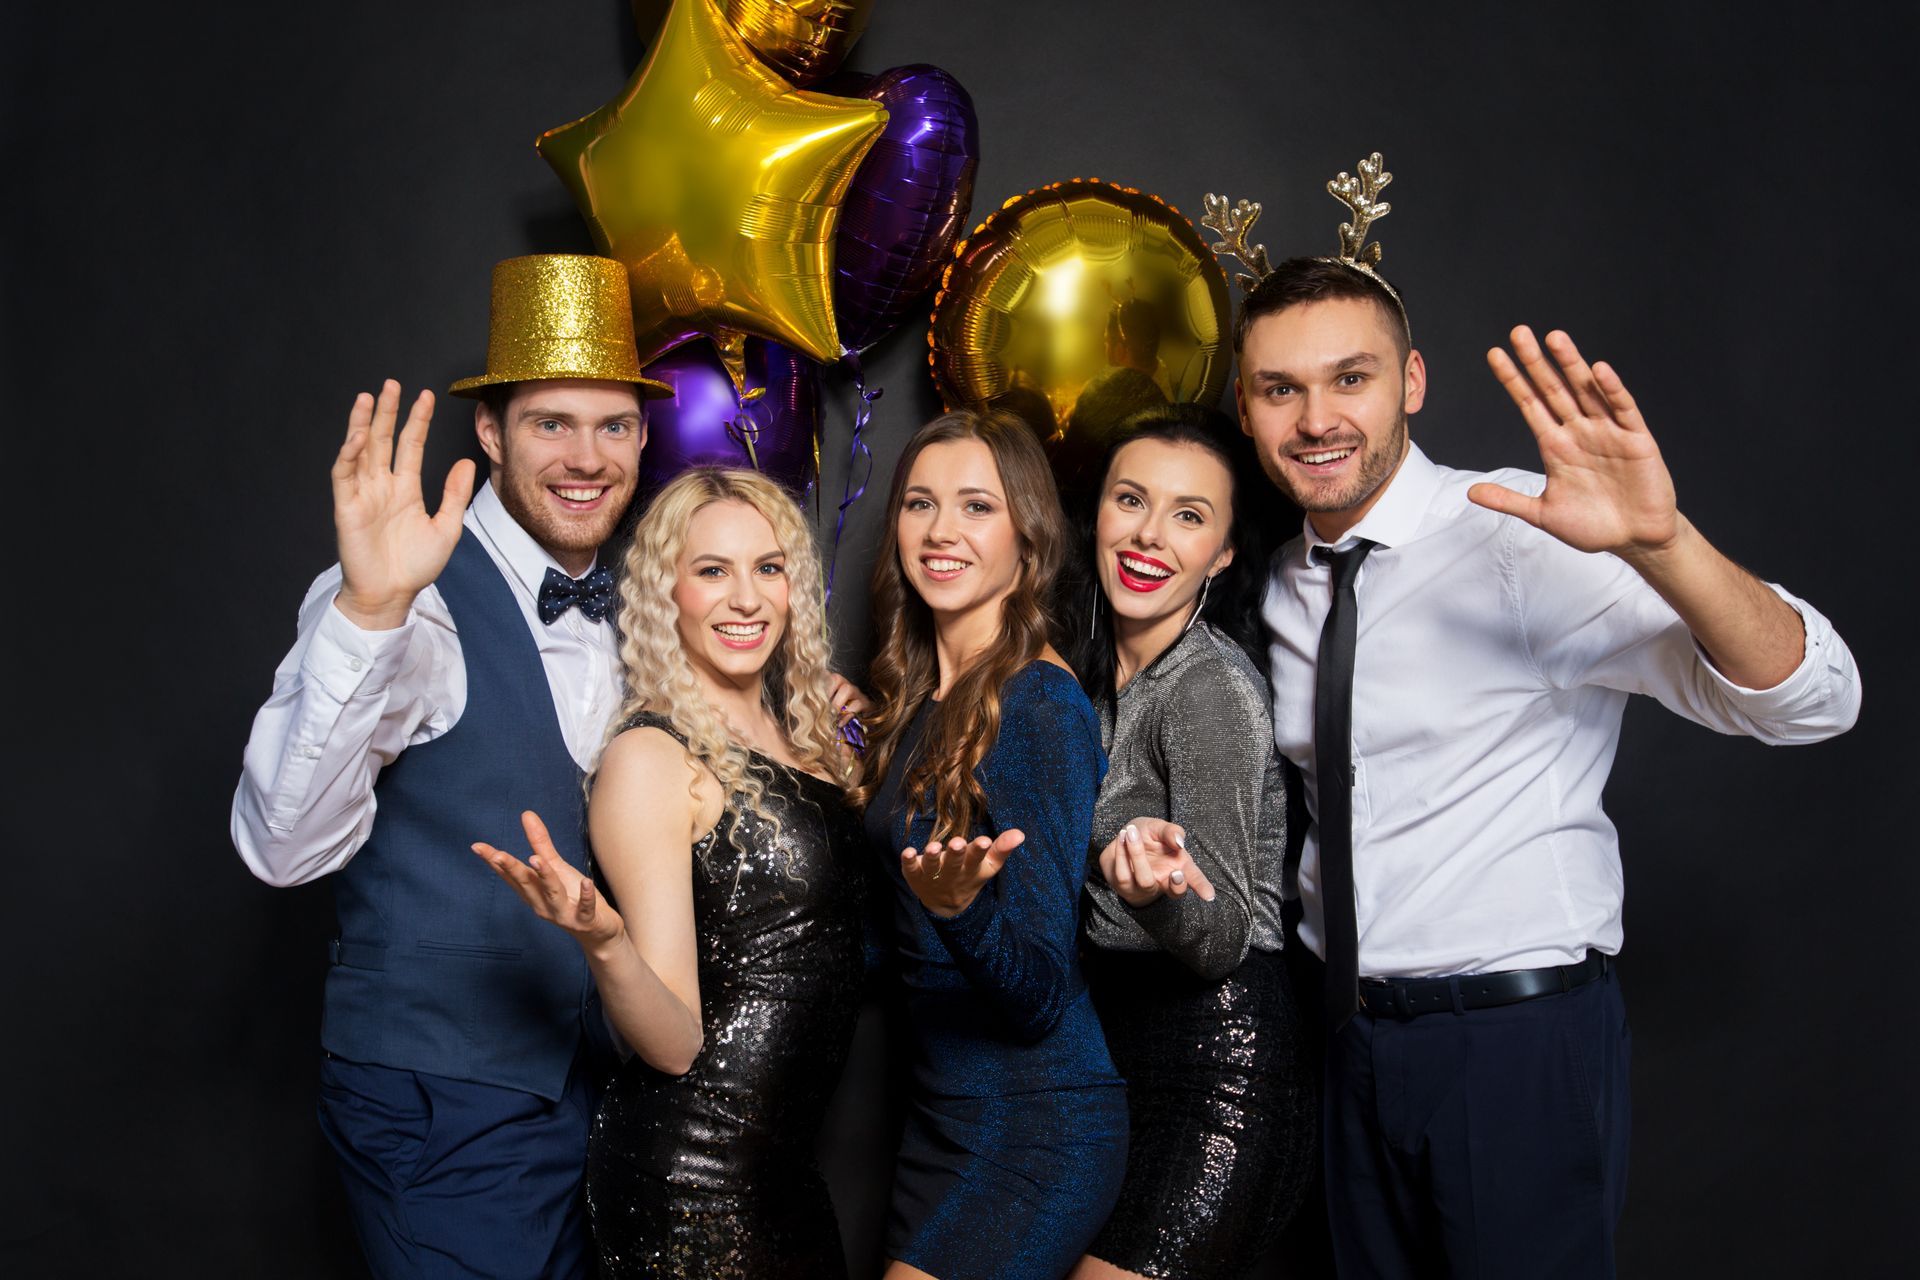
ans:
(983, 770)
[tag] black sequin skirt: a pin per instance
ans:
(1224, 1104)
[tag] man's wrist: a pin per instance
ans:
(1655, 561)
(373, 615)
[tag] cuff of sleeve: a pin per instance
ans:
(1807, 682)
(968, 930)
(347, 661)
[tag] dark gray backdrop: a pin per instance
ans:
(222, 221)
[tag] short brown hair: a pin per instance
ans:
(498, 398)
(1298, 281)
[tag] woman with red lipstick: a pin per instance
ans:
(984, 765)
(724, 930)
(1183, 919)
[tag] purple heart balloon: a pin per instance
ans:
(704, 424)
(908, 202)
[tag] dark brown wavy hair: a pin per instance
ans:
(962, 726)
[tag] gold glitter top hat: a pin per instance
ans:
(1233, 220)
(561, 315)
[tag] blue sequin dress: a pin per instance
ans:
(1016, 1132)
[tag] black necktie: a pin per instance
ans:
(1333, 767)
(592, 595)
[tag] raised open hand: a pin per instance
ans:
(1149, 858)
(557, 893)
(1607, 487)
(947, 877)
(390, 548)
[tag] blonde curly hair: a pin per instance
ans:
(656, 674)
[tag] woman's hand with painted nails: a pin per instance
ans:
(1149, 859)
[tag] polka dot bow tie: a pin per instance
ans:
(592, 595)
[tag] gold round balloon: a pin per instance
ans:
(804, 40)
(1078, 303)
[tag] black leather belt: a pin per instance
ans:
(1411, 997)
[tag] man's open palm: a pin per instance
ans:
(1607, 487)
(390, 548)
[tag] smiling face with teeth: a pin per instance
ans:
(1325, 395)
(566, 458)
(730, 587)
(959, 547)
(1165, 513)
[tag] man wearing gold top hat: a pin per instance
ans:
(451, 671)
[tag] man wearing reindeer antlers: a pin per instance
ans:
(1470, 641)
(449, 673)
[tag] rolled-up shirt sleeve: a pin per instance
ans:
(1818, 700)
(345, 702)
(1591, 620)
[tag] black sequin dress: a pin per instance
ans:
(711, 1174)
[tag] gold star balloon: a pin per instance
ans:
(718, 185)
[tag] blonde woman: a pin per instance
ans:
(724, 929)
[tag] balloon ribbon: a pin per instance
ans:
(745, 433)
(857, 450)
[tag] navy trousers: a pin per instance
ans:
(1488, 1143)
(448, 1180)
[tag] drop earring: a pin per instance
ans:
(1200, 604)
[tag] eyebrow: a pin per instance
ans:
(559, 415)
(1345, 364)
(778, 553)
(986, 493)
(1187, 499)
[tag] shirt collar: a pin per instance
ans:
(1395, 518)
(512, 545)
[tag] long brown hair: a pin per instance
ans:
(962, 726)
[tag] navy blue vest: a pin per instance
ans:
(439, 966)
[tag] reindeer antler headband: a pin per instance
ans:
(1233, 221)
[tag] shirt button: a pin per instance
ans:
(354, 664)
(310, 752)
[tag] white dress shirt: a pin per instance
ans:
(1491, 668)
(346, 701)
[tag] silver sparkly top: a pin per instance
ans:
(1190, 739)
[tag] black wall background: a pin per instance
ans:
(222, 221)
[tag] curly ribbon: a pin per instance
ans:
(854, 734)
(849, 494)
(745, 432)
